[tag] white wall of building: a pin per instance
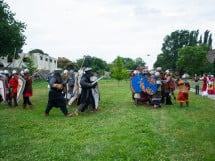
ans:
(41, 61)
(44, 62)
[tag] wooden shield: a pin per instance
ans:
(21, 86)
(3, 89)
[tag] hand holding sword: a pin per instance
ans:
(97, 80)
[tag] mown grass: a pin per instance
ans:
(120, 131)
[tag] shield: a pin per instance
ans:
(21, 86)
(139, 83)
(148, 85)
(95, 92)
(135, 83)
(2, 89)
(77, 87)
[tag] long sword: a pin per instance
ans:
(97, 80)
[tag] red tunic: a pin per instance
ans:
(13, 83)
(183, 87)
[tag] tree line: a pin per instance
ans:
(186, 50)
(182, 50)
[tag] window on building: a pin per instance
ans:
(41, 58)
(46, 59)
(50, 60)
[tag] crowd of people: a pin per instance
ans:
(166, 83)
(68, 87)
(82, 87)
(208, 86)
(65, 89)
(165, 87)
(11, 82)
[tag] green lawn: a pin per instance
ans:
(120, 131)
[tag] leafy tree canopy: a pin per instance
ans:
(129, 63)
(118, 71)
(193, 59)
(65, 63)
(11, 32)
(179, 39)
(37, 51)
(95, 63)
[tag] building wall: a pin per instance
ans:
(4, 60)
(45, 62)
(41, 61)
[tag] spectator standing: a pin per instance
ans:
(205, 80)
(196, 80)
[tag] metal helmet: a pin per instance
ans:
(87, 69)
(26, 71)
(14, 72)
(65, 71)
(6, 71)
(157, 74)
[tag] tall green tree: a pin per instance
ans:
(12, 36)
(207, 39)
(172, 43)
(161, 61)
(95, 63)
(131, 64)
(177, 40)
(193, 59)
(118, 70)
(65, 63)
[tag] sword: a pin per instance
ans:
(97, 80)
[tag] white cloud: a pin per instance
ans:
(108, 28)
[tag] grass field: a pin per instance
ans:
(119, 131)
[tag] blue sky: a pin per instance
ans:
(109, 28)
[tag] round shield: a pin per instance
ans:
(135, 83)
(139, 83)
(148, 85)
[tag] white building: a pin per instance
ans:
(41, 61)
(4, 61)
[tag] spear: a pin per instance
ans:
(82, 62)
